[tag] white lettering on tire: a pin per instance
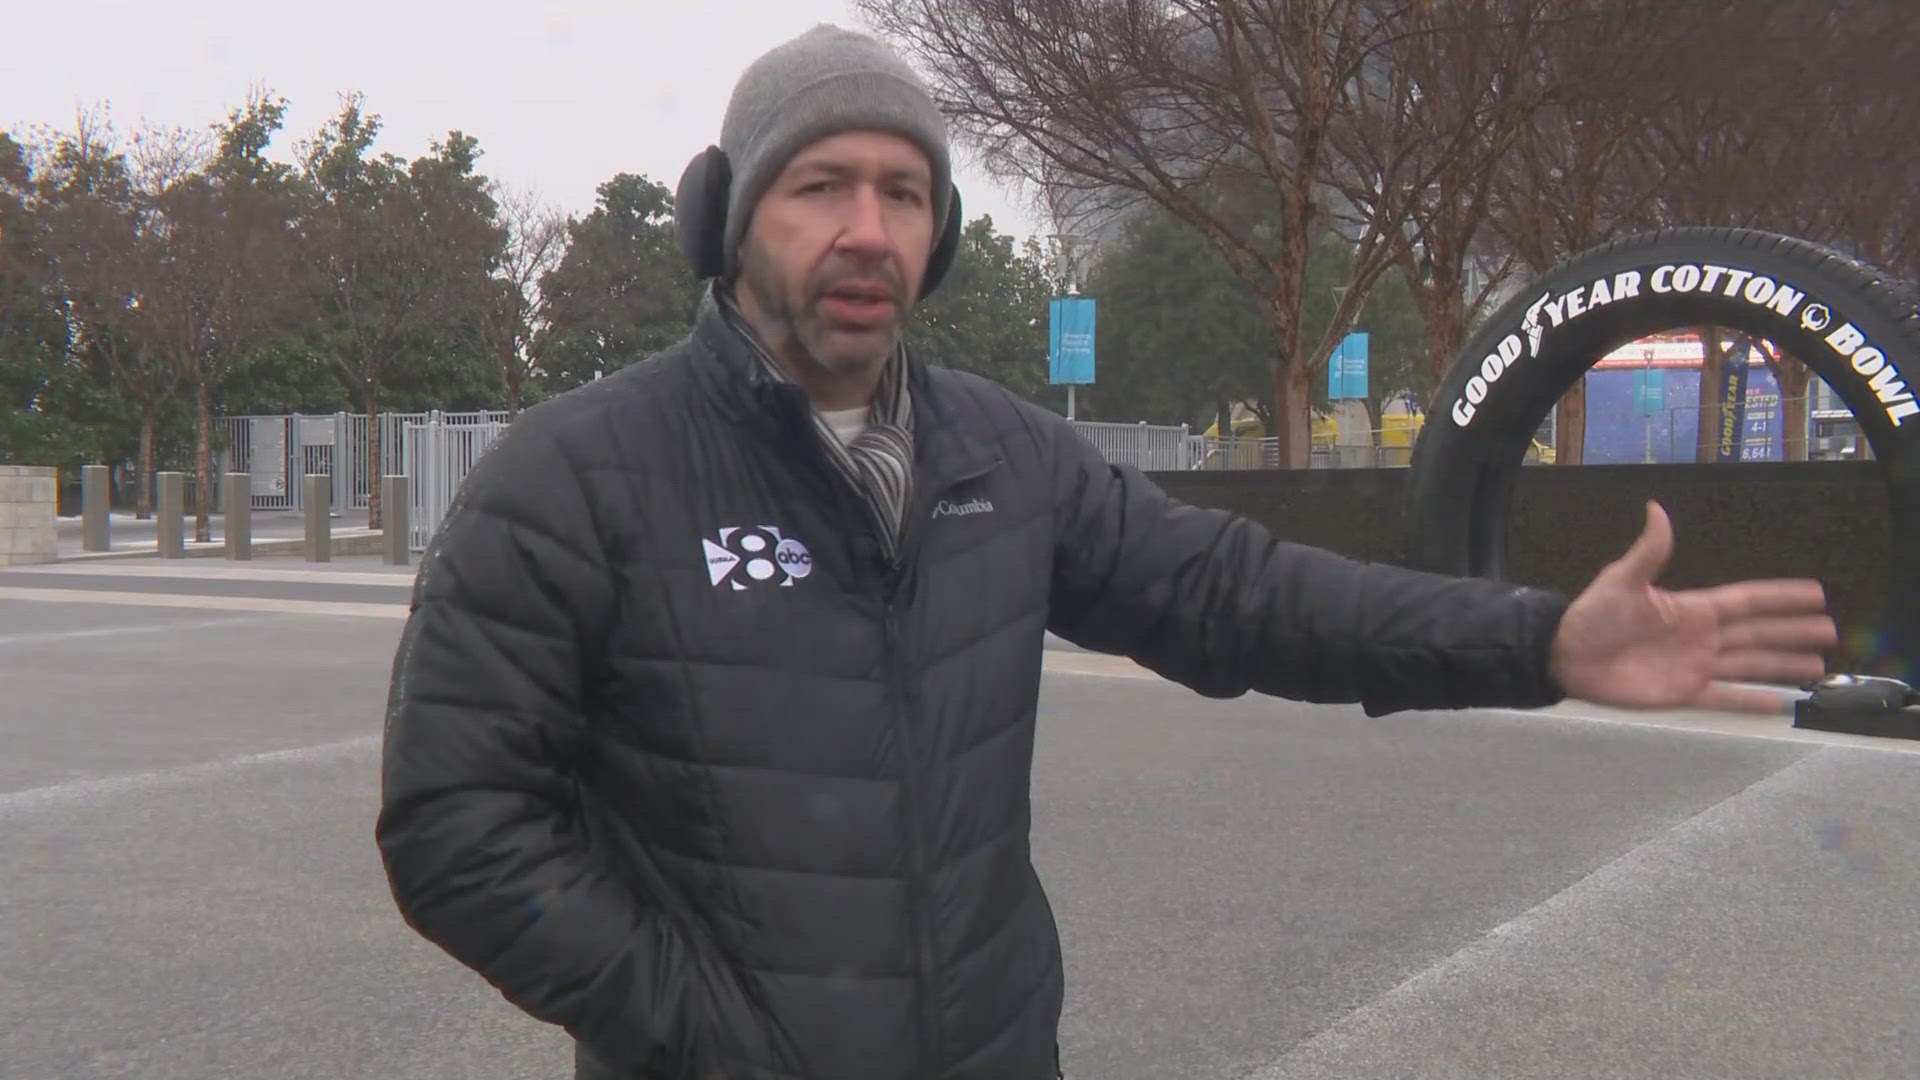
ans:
(1552, 311)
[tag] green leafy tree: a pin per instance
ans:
(1184, 339)
(622, 290)
(285, 374)
(38, 384)
(219, 287)
(400, 256)
(101, 241)
(989, 315)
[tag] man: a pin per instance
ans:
(710, 733)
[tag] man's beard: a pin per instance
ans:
(796, 330)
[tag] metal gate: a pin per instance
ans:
(1147, 447)
(439, 455)
(278, 450)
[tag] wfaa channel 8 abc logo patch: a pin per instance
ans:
(751, 555)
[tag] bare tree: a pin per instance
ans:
(1208, 108)
(223, 242)
(1727, 145)
(1423, 135)
(175, 291)
(536, 239)
(1704, 113)
(1571, 177)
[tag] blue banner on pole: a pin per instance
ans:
(1732, 391)
(1650, 390)
(1070, 323)
(1347, 368)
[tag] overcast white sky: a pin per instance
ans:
(562, 94)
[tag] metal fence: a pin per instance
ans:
(1232, 452)
(1149, 447)
(437, 450)
(439, 455)
(1174, 449)
(278, 450)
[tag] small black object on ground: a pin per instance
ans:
(1861, 705)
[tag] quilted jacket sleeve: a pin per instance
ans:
(1214, 602)
(477, 827)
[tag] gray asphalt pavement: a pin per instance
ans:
(1252, 889)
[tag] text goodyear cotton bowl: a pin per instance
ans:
(1551, 311)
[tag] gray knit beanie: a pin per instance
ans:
(825, 81)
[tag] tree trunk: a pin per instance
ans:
(143, 484)
(512, 372)
(1445, 334)
(1570, 425)
(1444, 304)
(1293, 414)
(370, 396)
(203, 464)
(1376, 422)
(1292, 388)
(1713, 366)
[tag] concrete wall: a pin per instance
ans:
(27, 500)
(1820, 519)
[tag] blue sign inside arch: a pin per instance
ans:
(1070, 326)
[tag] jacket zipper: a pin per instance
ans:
(900, 551)
(929, 1019)
(900, 566)
(894, 567)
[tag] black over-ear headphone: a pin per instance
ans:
(700, 215)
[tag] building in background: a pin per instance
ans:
(1643, 406)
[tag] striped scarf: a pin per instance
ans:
(879, 461)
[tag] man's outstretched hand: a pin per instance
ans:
(1626, 642)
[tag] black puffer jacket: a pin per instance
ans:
(677, 759)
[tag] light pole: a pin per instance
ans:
(1646, 395)
(1067, 281)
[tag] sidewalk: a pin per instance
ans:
(276, 533)
(343, 569)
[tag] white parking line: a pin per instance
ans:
(115, 631)
(188, 571)
(1721, 725)
(206, 603)
(1639, 877)
(87, 791)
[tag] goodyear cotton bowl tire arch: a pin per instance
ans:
(1855, 326)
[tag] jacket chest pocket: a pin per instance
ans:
(989, 534)
(759, 600)
(771, 676)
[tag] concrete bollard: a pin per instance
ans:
(399, 535)
(171, 513)
(239, 524)
(96, 489)
(316, 500)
